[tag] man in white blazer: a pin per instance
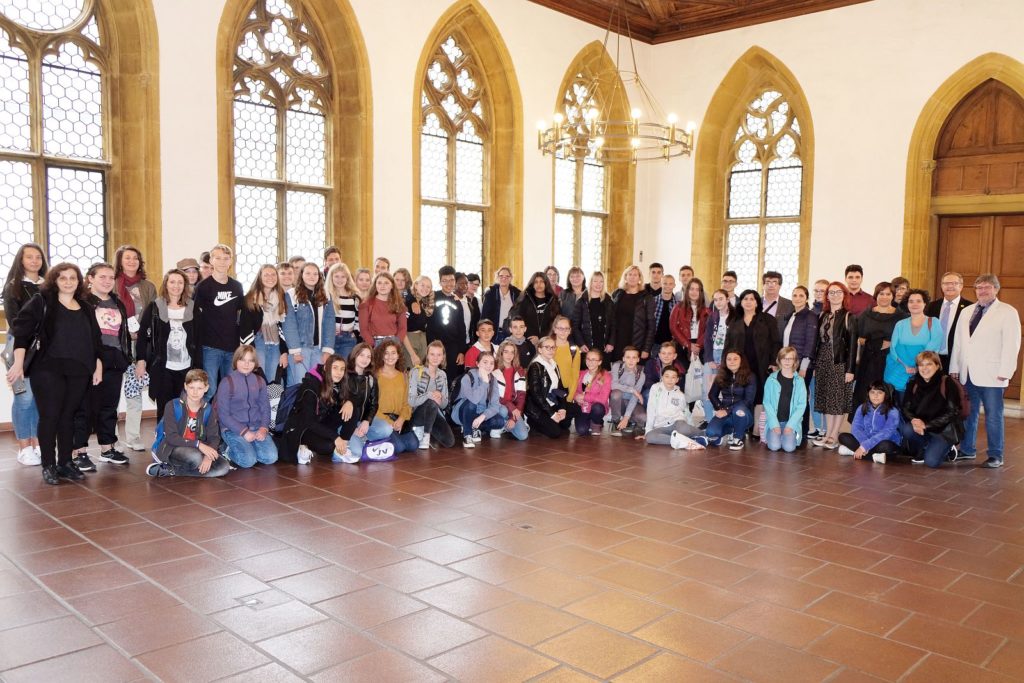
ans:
(984, 359)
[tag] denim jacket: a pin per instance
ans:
(297, 326)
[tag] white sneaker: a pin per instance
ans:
(843, 450)
(477, 436)
(879, 458)
(349, 457)
(496, 433)
(468, 442)
(136, 446)
(38, 452)
(424, 441)
(29, 456)
(677, 440)
(304, 455)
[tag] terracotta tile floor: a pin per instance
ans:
(588, 559)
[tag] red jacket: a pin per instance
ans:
(511, 398)
(679, 324)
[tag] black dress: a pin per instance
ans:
(625, 314)
(875, 328)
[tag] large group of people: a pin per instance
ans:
(317, 361)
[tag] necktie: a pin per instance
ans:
(976, 318)
(944, 319)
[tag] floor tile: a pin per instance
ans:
(209, 658)
(100, 664)
(691, 636)
(492, 659)
(596, 650)
(526, 622)
(43, 640)
(258, 624)
(377, 666)
(149, 630)
(371, 607)
(317, 647)
(765, 661)
(884, 658)
(426, 633)
(616, 610)
(466, 597)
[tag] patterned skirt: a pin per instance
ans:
(833, 395)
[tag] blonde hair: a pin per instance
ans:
(629, 268)
(223, 248)
(350, 283)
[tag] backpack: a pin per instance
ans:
(284, 408)
(965, 401)
(159, 437)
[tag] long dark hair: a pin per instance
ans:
(255, 298)
(303, 295)
(119, 254)
(549, 291)
(742, 376)
(378, 356)
(885, 388)
(15, 287)
(327, 386)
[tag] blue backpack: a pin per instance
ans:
(284, 407)
(208, 409)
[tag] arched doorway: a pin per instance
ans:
(979, 163)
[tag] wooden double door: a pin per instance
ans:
(972, 245)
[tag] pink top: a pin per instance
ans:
(375, 320)
(597, 391)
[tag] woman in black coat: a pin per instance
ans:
(312, 426)
(546, 406)
(755, 334)
(800, 330)
(501, 291)
(538, 306)
(593, 321)
(167, 346)
(58, 325)
(931, 412)
(874, 336)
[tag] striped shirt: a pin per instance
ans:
(346, 314)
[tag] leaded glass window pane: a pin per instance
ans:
(76, 214)
(781, 250)
(765, 192)
(433, 239)
(742, 254)
(15, 112)
(565, 183)
(454, 139)
(307, 223)
(593, 186)
(52, 15)
(281, 112)
(15, 210)
(72, 105)
(565, 241)
(256, 233)
(592, 244)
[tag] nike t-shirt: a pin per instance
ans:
(218, 306)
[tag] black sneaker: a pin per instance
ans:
(917, 460)
(84, 463)
(70, 471)
(159, 469)
(113, 456)
(953, 454)
(966, 456)
(50, 475)
(993, 463)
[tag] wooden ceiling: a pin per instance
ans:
(661, 21)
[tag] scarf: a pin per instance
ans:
(426, 304)
(123, 283)
(271, 318)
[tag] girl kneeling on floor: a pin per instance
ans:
(876, 426)
(732, 397)
(191, 434)
(478, 407)
(393, 404)
(511, 379)
(313, 425)
(785, 400)
(359, 413)
(668, 415)
(592, 392)
(428, 397)
(244, 411)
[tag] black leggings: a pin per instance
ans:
(551, 429)
(430, 417)
(165, 385)
(885, 446)
(58, 397)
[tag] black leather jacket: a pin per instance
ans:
(363, 392)
(844, 339)
(538, 390)
(924, 400)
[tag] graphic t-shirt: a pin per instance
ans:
(178, 357)
(108, 316)
(218, 306)
(191, 424)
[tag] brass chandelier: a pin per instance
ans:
(585, 131)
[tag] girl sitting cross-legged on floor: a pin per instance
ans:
(592, 392)
(478, 407)
(732, 397)
(668, 415)
(314, 422)
(876, 426)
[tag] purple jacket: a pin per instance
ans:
(242, 403)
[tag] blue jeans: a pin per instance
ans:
(268, 355)
(784, 440)
(247, 453)
(520, 430)
(379, 429)
(817, 419)
(296, 371)
(404, 443)
(344, 342)
(992, 399)
(217, 364)
(585, 421)
(738, 421)
(25, 414)
(468, 412)
(932, 447)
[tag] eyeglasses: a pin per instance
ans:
(834, 292)
(547, 347)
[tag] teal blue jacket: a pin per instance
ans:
(797, 404)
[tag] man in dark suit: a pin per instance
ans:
(772, 303)
(947, 310)
(470, 307)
